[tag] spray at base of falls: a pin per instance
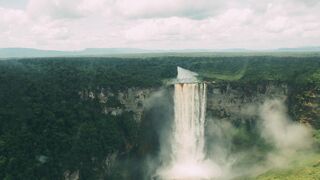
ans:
(187, 159)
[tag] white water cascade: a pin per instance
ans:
(187, 161)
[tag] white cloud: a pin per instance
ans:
(278, 24)
(168, 8)
(74, 24)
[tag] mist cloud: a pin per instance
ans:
(278, 140)
(288, 137)
(278, 129)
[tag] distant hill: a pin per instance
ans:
(29, 52)
(300, 49)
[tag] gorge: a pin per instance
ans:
(108, 118)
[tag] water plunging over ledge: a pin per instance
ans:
(187, 159)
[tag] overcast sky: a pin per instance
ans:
(159, 24)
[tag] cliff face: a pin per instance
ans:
(117, 102)
(232, 101)
(304, 105)
(239, 102)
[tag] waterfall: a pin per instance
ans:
(187, 159)
(188, 128)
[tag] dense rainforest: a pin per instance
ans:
(47, 129)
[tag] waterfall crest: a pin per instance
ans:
(186, 76)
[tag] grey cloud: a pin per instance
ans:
(54, 9)
(13, 4)
(200, 9)
(308, 2)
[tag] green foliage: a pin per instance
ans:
(43, 117)
(307, 169)
(316, 136)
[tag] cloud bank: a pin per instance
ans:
(175, 24)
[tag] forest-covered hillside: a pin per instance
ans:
(47, 129)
